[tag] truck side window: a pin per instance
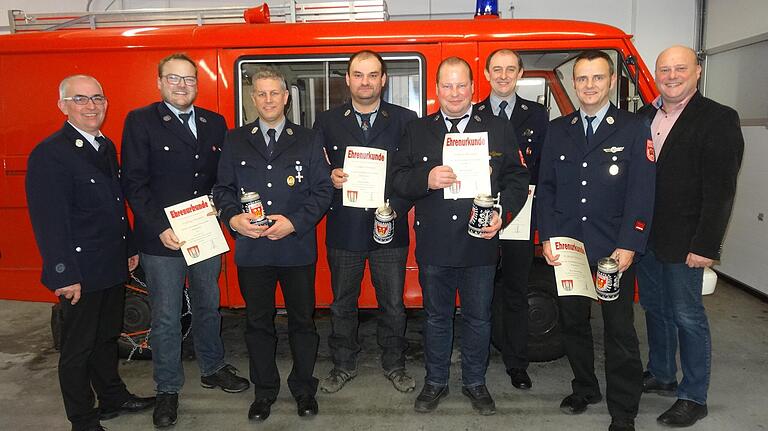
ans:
(317, 84)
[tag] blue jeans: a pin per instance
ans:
(165, 280)
(387, 267)
(475, 286)
(670, 293)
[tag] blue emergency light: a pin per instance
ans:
(488, 8)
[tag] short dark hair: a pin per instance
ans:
(175, 56)
(503, 51)
(453, 61)
(367, 53)
(594, 54)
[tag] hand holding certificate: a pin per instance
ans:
(573, 276)
(467, 155)
(367, 173)
(195, 224)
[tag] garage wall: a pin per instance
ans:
(736, 47)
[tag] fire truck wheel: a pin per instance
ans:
(544, 343)
(137, 319)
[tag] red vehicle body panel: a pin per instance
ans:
(125, 62)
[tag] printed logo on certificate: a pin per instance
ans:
(467, 155)
(367, 173)
(195, 224)
(573, 276)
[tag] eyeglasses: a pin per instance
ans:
(176, 79)
(83, 100)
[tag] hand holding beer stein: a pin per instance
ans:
(484, 220)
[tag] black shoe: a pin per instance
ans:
(131, 405)
(260, 409)
(519, 378)
(481, 399)
(226, 379)
(575, 404)
(683, 413)
(306, 405)
(653, 386)
(622, 425)
(166, 410)
(429, 398)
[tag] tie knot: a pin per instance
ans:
(185, 117)
(503, 105)
(590, 119)
(102, 144)
(455, 121)
(271, 133)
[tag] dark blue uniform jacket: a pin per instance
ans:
(163, 165)
(603, 194)
(78, 213)
(294, 182)
(441, 224)
(352, 228)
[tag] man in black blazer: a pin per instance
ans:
(286, 165)
(170, 154)
(503, 68)
(365, 121)
(80, 225)
(699, 148)
(596, 186)
(450, 259)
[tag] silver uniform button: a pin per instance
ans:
(614, 158)
(335, 148)
(269, 184)
(269, 167)
(242, 163)
(584, 164)
(118, 199)
(583, 200)
(78, 249)
(122, 218)
(197, 174)
(417, 223)
(195, 193)
(166, 148)
(93, 181)
(562, 157)
(197, 156)
(425, 158)
(584, 183)
(123, 236)
(584, 218)
(454, 217)
(269, 202)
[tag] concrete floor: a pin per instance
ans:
(30, 398)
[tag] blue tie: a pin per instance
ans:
(590, 130)
(185, 120)
(271, 142)
(365, 123)
(503, 109)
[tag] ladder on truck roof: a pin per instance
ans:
(292, 11)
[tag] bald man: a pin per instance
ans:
(699, 146)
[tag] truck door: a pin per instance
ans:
(316, 82)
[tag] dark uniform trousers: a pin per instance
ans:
(89, 333)
(257, 285)
(349, 241)
(623, 368)
(294, 181)
(530, 121)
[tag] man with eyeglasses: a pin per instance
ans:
(365, 121)
(170, 154)
(596, 185)
(450, 259)
(79, 219)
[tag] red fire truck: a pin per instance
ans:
(311, 47)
